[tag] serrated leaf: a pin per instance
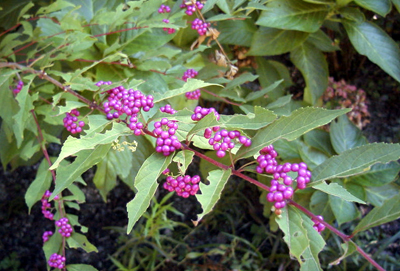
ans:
(146, 185)
(319, 139)
(382, 7)
(84, 160)
(345, 135)
(294, 15)
(378, 195)
(373, 42)
(303, 240)
(77, 240)
(272, 41)
(355, 161)
(80, 267)
(380, 174)
(252, 121)
(73, 145)
(389, 211)
(338, 191)
(210, 194)
(344, 211)
(183, 158)
(290, 128)
(314, 68)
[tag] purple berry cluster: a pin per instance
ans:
(164, 9)
(281, 184)
(18, 88)
(166, 171)
(168, 109)
(57, 261)
(168, 29)
(190, 8)
(71, 122)
(193, 95)
(100, 83)
(166, 141)
(222, 140)
(127, 101)
(46, 235)
(189, 73)
(200, 26)
(184, 186)
(319, 227)
(201, 112)
(46, 205)
(65, 229)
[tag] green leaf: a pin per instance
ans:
(241, 79)
(206, 122)
(252, 121)
(77, 240)
(73, 145)
(319, 205)
(344, 211)
(53, 244)
(382, 7)
(293, 15)
(236, 32)
(146, 185)
(290, 128)
(258, 94)
(380, 174)
(345, 135)
(314, 68)
(389, 211)
(319, 139)
(210, 194)
(80, 267)
(373, 42)
(378, 195)
(183, 158)
(396, 3)
(303, 240)
(146, 41)
(352, 14)
(84, 160)
(40, 184)
(206, 167)
(355, 161)
(338, 191)
(349, 248)
(269, 74)
(271, 41)
(322, 41)
(105, 178)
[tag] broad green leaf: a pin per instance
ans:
(338, 191)
(183, 158)
(77, 193)
(69, 105)
(342, 3)
(105, 178)
(146, 41)
(258, 94)
(290, 128)
(8, 104)
(311, 156)
(84, 160)
(352, 14)
(53, 244)
(272, 41)
(293, 15)
(319, 139)
(373, 42)
(252, 121)
(77, 240)
(206, 167)
(349, 248)
(269, 74)
(241, 79)
(355, 161)
(236, 32)
(208, 121)
(344, 211)
(190, 85)
(303, 240)
(210, 194)
(73, 145)
(146, 185)
(378, 195)
(80, 267)
(389, 211)
(280, 103)
(322, 41)
(345, 135)
(287, 149)
(40, 184)
(380, 174)
(314, 68)
(382, 7)
(319, 205)
(396, 3)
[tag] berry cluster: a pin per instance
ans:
(281, 184)
(200, 26)
(166, 171)
(127, 101)
(166, 141)
(167, 109)
(201, 112)
(317, 225)
(100, 83)
(190, 8)
(46, 235)
(46, 205)
(164, 9)
(57, 261)
(167, 29)
(189, 73)
(193, 95)
(65, 228)
(71, 122)
(222, 140)
(184, 186)
(18, 88)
